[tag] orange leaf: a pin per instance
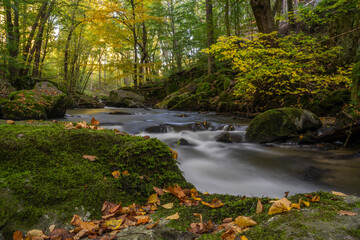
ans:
(17, 235)
(177, 191)
(125, 173)
(89, 226)
(228, 235)
(315, 199)
(194, 194)
(95, 122)
(116, 174)
(216, 203)
(174, 153)
(10, 121)
(90, 158)
(151, 226)
(142, 219)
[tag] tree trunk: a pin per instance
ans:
(262, 13)
(227, 22)
(291, 14)
(210, 34)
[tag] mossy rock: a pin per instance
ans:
(281, 124)
(44, 101)
(122, 98)
(43, 170)
(190, 102)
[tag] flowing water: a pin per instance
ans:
(233, 168)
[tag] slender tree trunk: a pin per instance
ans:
(263, 15)
(291, 14)
(227, 22)
(210, 34)
(135, 75)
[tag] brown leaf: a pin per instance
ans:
(35, 233)
(215, 203)
(227, 220)
(17, 235)
(82, 124)
(10, 121)
(95, 122)
(173, 217)
(339, 194)
(259, 207)
(146, 137)
(80, 234)
(60, 234)
(347, 213)
(116, 174)
(244, 222)
(142, 219)
(159, 191)
(51, 228)
(90, 158)
(151, 226)
(177, 191)
(228, 235)
(107, 207)
(89, 226)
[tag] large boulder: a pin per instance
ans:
(44, 101)
(78, 100)
(281, 124)
(121, 98)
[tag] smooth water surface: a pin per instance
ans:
(233, 168)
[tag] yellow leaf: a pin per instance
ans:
(306, 203)
(173, 217)
(244, 222)
(216, 203)
(153, 198)
(315, 199)
(206, 193)
(243, 237)
(10, 121)
(168, 205)
(295, 205)
(90, 158)
(194, 194)
(259, 207)
(113, 224)
(339, 194)
(198, 215)
(279, 206)
(116, 174)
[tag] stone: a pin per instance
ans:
(281, 124)
(122, 98)
(44, 101)
(84, 101)
(229, 138)
(119, 113)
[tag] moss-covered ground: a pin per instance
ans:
(43, 170)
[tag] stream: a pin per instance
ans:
(232, 168)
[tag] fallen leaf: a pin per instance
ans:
(153, 198)
(306, 203)
(146, 137)
(151, 226)
(173, 217)
(339, 194)
(95, 122)
(244, 222)
(116, 174)
(51, 228)
(35, 233)
(142, 219)
(174, 154)
(113, 224)
(279, 206)
(206, 193)
(227, 220)
(125, 173)
(228, 235)
(10, 121)
(168, 205)
(295, 205)
(315, 199)
(216, 203)
(89, 226)
(82, 124)
(17, 235)
(347, 213)
(177, 191)
(80, 234)
(59, 233)
(259, 207)
(90, 158)
(159, 191)
(243, 237)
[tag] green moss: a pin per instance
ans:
(44, 168)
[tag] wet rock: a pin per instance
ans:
(184, 142)
(157, 129)
(120, 113)
(312, 174)
(84, 101)
(229, 138)
(182, 115)
(281, 124)
(121, 98)
(44, 101)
